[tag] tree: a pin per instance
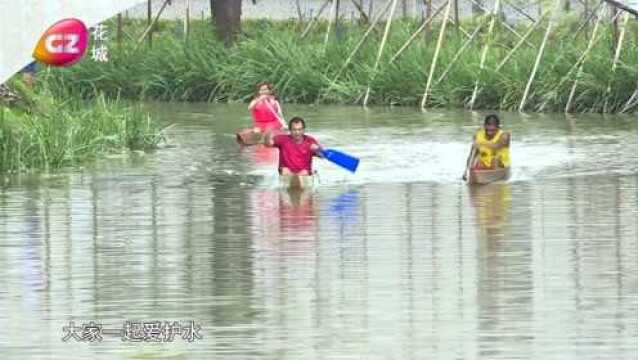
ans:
(227, 14)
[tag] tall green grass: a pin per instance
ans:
(302, 70)
(45, 132)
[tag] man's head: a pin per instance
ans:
(297, 126)
(491, 124)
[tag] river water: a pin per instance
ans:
(398, 261)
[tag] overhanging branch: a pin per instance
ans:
(622, 6)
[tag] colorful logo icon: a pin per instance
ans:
(62, 44)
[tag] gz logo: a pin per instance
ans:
(62, 44)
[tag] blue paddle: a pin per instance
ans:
(342, 159)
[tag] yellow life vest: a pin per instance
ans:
(486, 155)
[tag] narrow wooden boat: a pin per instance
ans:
(482, 177)
(248, 137)
(296, 182)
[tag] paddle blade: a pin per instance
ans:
(342, 159)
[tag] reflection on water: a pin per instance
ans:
(400, 266)
(492, 204)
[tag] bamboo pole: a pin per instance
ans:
(519, 10)
(330, 19)
(588, 19)
(459, 52)
(614, 65)
(416, 33)
(362, 13)
(630, 103)
(569, 72)
(383, 41)
(149, 29)
(520, 42)
(314, 20)
(505, 24)
(486, 46)
(539, 56)
(579, 72)
(439, 42)
(187, 20)
(299, 13)
(614, 26)
(460, 28)
(360, 43)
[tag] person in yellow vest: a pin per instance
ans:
(490, 147)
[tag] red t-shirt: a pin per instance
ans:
(295, 156)
(265, 115)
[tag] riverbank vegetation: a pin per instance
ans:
(41, 130)
(576, 60)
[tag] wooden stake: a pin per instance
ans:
(149, 15)
(385, 38)
(424, 100)
(314, 20)
(337, 6)
(591, 16)
(581, 63)
(623, 26)
(486, 46)
(119, 30)
(630, 103)
(187, 20)
(428, 9)
(505, 24)
(330, 18)
(425, 24)
(539, 56)
(299, 13)
(149, 29)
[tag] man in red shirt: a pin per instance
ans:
(295, 149)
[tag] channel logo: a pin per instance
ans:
(62, 44)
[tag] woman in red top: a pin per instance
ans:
(265, 110)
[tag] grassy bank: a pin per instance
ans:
(303, 69)
(45, 132)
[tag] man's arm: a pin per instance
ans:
(317, 149)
